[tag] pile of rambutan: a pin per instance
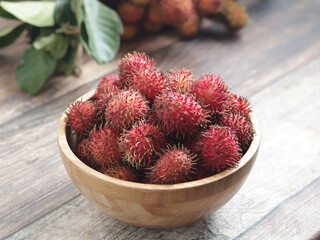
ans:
(146, 126)
(184, 15)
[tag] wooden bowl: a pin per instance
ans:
(151, 205)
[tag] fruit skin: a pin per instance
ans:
(208, 7)
(141, 2)
(125, 109)
(154, 14)
(179, 114)
(191, 27)
(212, 92)
(133, 63)
(106, 90)
(234, 15)
(130, 13)
(81, 117)
(200, 173)
(130, 31)
(122, 172)
(238, 105)
(175, 12)
(241, 126)
(180, 80)
(103, 147)
(218, 148)
(174, 166)
(150, 83)
(141, 144)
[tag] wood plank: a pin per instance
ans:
(298, 217)
(287, 162)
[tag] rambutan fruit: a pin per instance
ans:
(103, 147)
(141, 144)
(122, 172)
(154, 15)
(175, 12)
(150, 83)
(107, 89)
(179, 114)
(234, 15)
(212, 92)
(208, 7)
(239, 105)
(133, 63)
(180, 80)
(218, 148)
(191, 27)
(174, 166)
(81, 117)
(125, 109)
(130, 13)
(83, 151)
(200, 173)
(241, 126)
(130, 31)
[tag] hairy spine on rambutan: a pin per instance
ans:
(133, 63)
(81, 117)
(150, 83)
(141, 144)
(180, 80)
(176, 12)
(241, 126)
(218, 148)
(212, 92)
(125, 109)
(122, 172)
(179, 114)
(174, 166)
(103, 147)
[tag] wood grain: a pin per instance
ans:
(278, 47)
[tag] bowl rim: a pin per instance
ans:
(64, 146)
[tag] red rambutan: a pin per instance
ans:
(154, 14)
(180, 80)
(174, 166)
(175, 12)
(218, 148)
(208, 7)
(81, 117)
(83, 150)
(103, 147)
(149, 83)
(238, 105)
(179, 114)
(141, 144)
(234, 15)
(241, 126)
(130, 13)
(191, 27)
(132, 64)
(212, 92)
(125, 109)
(122, 172)
(200, 173)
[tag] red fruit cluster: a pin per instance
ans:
(184, 15)
(151, 127)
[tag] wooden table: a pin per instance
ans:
(275, 62)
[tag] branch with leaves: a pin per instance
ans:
(56, 30)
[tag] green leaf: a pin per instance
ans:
(103, 27)
(56, 44)
(59, 47)
(5, 14)
(10, 34)
(66, 64)
(36, 67)
(63, 13)
(37, 13)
